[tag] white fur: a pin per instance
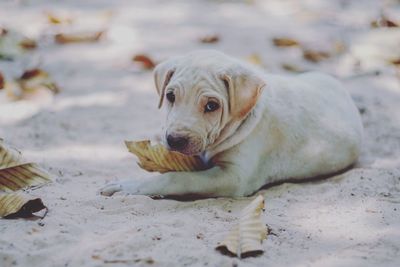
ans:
(302, 126)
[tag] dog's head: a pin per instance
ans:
(204, 92)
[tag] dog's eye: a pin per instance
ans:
(211, 106)
(171, 97)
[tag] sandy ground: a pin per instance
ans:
(349, 220)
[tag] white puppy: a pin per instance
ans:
(254, 128)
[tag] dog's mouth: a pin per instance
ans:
(187, 151)
(187, 144)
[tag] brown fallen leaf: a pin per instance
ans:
(285, 42)
(31, 83)
(9, 157)
(68, 38)
(145, 61)
(2, 82)
(209, 39)
(383, 21)
(19, 205)
(291, 68)
(56, 19)
(315, 56)
(245, 239)
(156, 158)
(28, 44)
(15, 174)
(3, 31)
(22, 176)
(395, 62)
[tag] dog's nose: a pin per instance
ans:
(177, 142)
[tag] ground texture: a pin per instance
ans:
(352, 219)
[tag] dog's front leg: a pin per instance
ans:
(212, 182)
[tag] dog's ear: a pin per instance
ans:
(244, 89)
(162, 75)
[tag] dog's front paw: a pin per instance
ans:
(110, 189)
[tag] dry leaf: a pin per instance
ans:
(33, 82)
(156, 158)
(255, 59)
(383, 21)
(209, 39)
(9, 157)
(315, 56)
(291, 68)
(395, 62)
(65, 38)
(3, 31)
(1, 81)
(146, 62)
(15, 175)
(21, 176)
(56, 19)
(15, 205)
(285, 42)
(245, 240)
(35, 78)
(28, 44)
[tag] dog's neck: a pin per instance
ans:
(234, 133)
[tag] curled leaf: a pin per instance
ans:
(145, 61)
(291, 68)
(15, 205)
(209, 39)
(22, 176)
(245, 239)
(33, 79)
(3, 31)
(91, 37)
(156, 158)
(1, 81)
(9, 157)
(395, 62)
(28, 44)
(15, 175)
(56, 19)
(315, 56)
(285, 42)
(383, 21)
(32, 82)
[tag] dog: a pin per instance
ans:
(255, 128)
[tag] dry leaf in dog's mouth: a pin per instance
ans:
(245, 239)
(19, 205)
(156, 158)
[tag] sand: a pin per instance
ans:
(352, 219)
